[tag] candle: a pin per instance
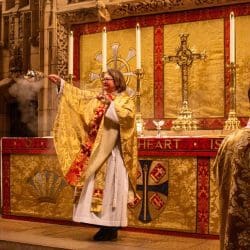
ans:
(70, 54)
(138, 46)
(232, 38)
(104, 50)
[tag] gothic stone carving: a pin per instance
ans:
(143, 7)
(16, 59)
(65, 20)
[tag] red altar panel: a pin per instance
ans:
(200, 149)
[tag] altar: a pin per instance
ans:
(176, 187)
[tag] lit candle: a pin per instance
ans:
(232, 38)
(104, 50)
(70, 54)
(138, 46)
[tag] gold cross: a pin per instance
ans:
(184, 58)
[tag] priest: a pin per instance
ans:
(232, 172)
(96, 144)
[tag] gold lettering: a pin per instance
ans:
(149, 144)
(167, 144)
(158, 145)
(142, 144)
(217, 144)
(176, 143)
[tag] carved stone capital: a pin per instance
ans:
(144, 7)
(79, 16)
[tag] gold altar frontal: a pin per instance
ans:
(175, 184)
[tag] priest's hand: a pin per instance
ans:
(56, 79)
(103, 98)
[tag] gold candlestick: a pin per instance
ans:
(232, 122)
(139, 76)
(70, 78)
(138, 117)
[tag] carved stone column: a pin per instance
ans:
(45, 99)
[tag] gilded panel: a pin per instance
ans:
(205, 78)
(121, 45)
(242, 24)
(214, 203)
(180, 210)
(38, 188)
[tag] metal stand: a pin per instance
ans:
(185, 120)
(138, 117)
(70, 78)
(232, 122)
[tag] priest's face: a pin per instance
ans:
(108, 83)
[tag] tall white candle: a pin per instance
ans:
(70, 54)
(104, 50)
(138, 46)
(232, 38)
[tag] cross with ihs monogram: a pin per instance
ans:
(184, 58)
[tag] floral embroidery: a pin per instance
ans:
(81, 161)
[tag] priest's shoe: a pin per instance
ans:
(106, 234)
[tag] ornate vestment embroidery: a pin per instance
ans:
(80, 163)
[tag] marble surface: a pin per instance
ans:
(17, 234)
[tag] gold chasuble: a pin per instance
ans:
(84, 138)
